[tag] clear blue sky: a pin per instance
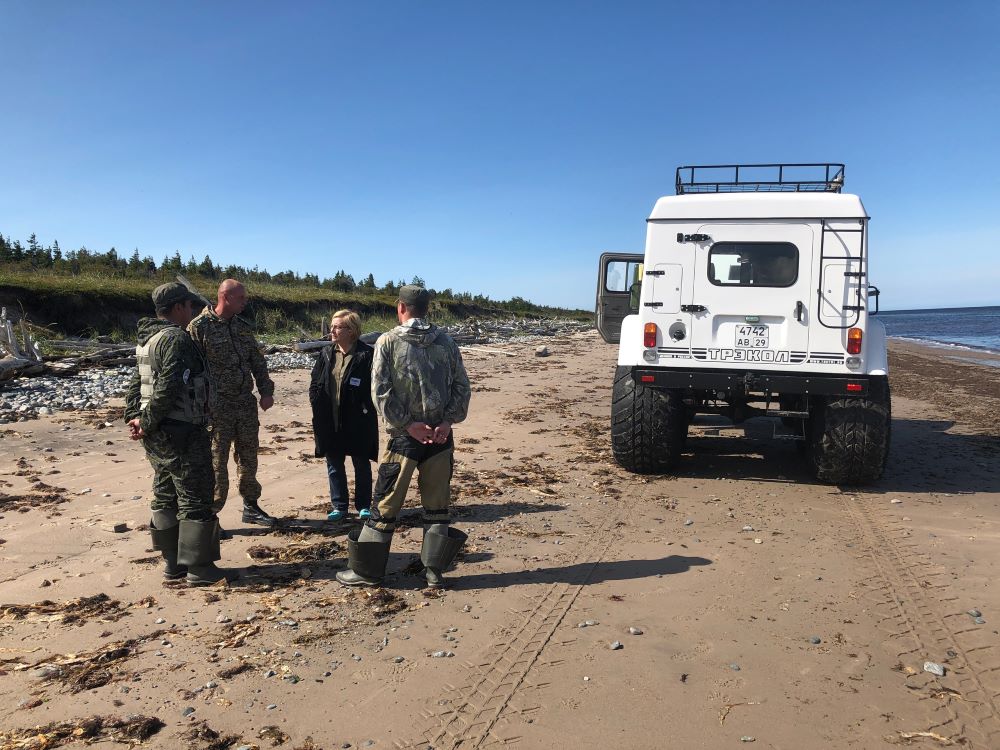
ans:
(491, 147)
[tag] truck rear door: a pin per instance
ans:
(751, 294)
(619, 275)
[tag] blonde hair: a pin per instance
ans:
(351, 318)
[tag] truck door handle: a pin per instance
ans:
(693, 308)
(799, 309)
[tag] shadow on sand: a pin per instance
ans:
(923, 457)
(582, 573)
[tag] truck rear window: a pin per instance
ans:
(774, 264)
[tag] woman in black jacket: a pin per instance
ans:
(344, 419)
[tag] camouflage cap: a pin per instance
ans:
(412, 294)
(166, 295)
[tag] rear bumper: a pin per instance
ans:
(754, 381)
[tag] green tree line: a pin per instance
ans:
(33, 257)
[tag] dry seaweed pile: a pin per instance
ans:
(202, 737)
(543, 405)
(132, 730)
(296, 553)
(41, 495)
(230, 672)
(236, 634)
(595, 443)
(75, 611)
(529, 474)
(88, 669)
(380, 603)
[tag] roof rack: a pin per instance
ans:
(760, 178)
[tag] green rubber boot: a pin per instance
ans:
(163, 528)
(367, 556)
(198, 548)
(441, 545)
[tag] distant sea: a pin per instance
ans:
(974, 328)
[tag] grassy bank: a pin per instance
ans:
(92, 305)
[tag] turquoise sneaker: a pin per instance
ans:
(336, 515)
(364, 514)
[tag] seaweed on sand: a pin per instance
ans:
(133, 730)
(88, 669)
(296, 553)
(74, 611)
(202, 737)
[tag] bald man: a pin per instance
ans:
(236, 364)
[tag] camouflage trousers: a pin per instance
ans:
(234, 429)
(433, 463)
(181, 457)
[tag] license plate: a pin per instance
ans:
(751, 337)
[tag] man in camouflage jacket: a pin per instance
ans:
(420, 389)
(166, 407)
(236, 363)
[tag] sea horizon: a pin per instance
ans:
(971, 328)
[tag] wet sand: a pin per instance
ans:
(770, 607)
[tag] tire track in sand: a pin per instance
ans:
(928, 624)
(468, 715)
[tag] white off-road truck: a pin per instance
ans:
(751, 300)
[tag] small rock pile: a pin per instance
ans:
(30, 398)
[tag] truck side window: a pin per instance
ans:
(620, 276)
(635, 288)
(769, 264)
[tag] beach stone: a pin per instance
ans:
(271, 706)
(934, 668)
(748, 527)
(979, 620)
(688, 522)
(187, 711)
(211, 685)
(735, 667)
(399, 659)
(815, 640)
(159, 621)
(635, 631)
(974, 613)
(616, 646)
(439, 654)
(542, 351)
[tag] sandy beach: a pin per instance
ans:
(736, 602)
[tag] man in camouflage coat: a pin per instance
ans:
(420, 388)
(167, 408)
(236, 363)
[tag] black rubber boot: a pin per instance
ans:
(253, 513)
(198, 548)
(367, 555)
(441, 545)
(164, 530)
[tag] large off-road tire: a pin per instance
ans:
(848, 438)
(648, 425)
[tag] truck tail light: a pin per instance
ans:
(649, 335)
(854, 341)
